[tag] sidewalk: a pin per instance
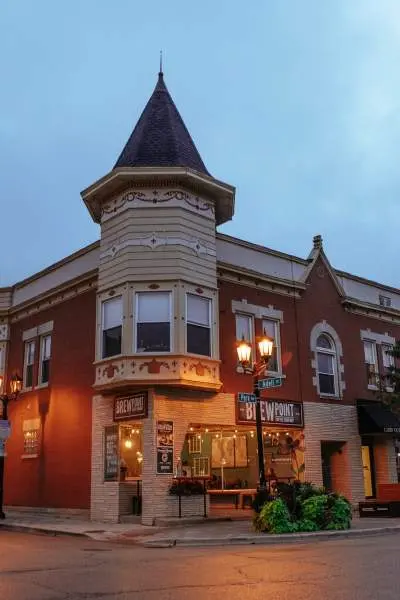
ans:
(209, 533)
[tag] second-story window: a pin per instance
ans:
(371, 363)
(388, 363)
(198, 325)
(45, 354)
(153, 322)
(29, 360)
(244, 328)
(271, 329)
(111, 327)
(326, 366)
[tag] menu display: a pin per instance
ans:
(165, 447)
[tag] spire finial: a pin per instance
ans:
(161, 66)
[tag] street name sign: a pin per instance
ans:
(270, 382)
(246, 397)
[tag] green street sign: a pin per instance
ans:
(271, 382)
(246, 397)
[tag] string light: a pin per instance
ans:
(206, 430)
(191, 429)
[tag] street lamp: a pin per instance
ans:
(15, 388)
(265, 347)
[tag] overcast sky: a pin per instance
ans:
(294, 102)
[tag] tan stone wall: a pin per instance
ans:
(104, 497)
(334, 422)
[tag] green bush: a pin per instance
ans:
(313, 510)
(274, 518)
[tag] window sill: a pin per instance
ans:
(26, 389)
(42, 386)
(389, 389)
(373, 387)
(330, 396)
(27, 456)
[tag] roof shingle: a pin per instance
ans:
(160, 138)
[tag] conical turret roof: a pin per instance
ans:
(160, 138)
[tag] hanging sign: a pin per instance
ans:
(111, 454)
(165, 447)
(273, 412)
(134, 406)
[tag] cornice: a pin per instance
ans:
(254, 279)
(373, 311)
(62, 293)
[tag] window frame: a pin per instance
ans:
(135, 322)
(42, 339)
(277, 345)
(27, 344)
(210, 326)
(375, 364)
(194, 443)
(103, 330)
(333, 353)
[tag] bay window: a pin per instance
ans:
(111, 327)
(153, 322)
(198, 325)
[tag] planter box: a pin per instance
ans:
(191, 506)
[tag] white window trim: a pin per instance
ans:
(277, 373)
(171, 321)
(372, 386)
(211, 326)
(319, 329)
(379, 338)
(239, 368)
(40, 370)
(102, 303)
(258, 312)
(26, 342)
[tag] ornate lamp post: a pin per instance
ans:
(15, 388)
(265, 347)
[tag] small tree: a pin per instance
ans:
(391, 379)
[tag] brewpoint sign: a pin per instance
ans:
(273, 412)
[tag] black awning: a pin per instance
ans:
(374, 418)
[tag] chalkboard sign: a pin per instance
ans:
(111, 454)
(165, 447)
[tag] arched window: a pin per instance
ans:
(327, 367)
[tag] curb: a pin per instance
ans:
(40, 530)
(269, 540)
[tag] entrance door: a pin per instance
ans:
(366, 461)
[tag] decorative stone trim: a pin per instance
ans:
(29, 334)
(4, 332)
(259, 312)
(154, 241)
(316, 331)
(200, 373)
(378, 338)
(153, 198)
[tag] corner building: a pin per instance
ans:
(127, 350)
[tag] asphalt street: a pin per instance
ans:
(34, 567)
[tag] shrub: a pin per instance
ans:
(303, 507)
(261, 498)
(274, 517)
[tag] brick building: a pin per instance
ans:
(127, 349)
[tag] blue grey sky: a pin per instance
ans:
(295, 102)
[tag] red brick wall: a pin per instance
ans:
(60, 476)
(320, 301)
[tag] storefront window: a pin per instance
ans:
(131, 452)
